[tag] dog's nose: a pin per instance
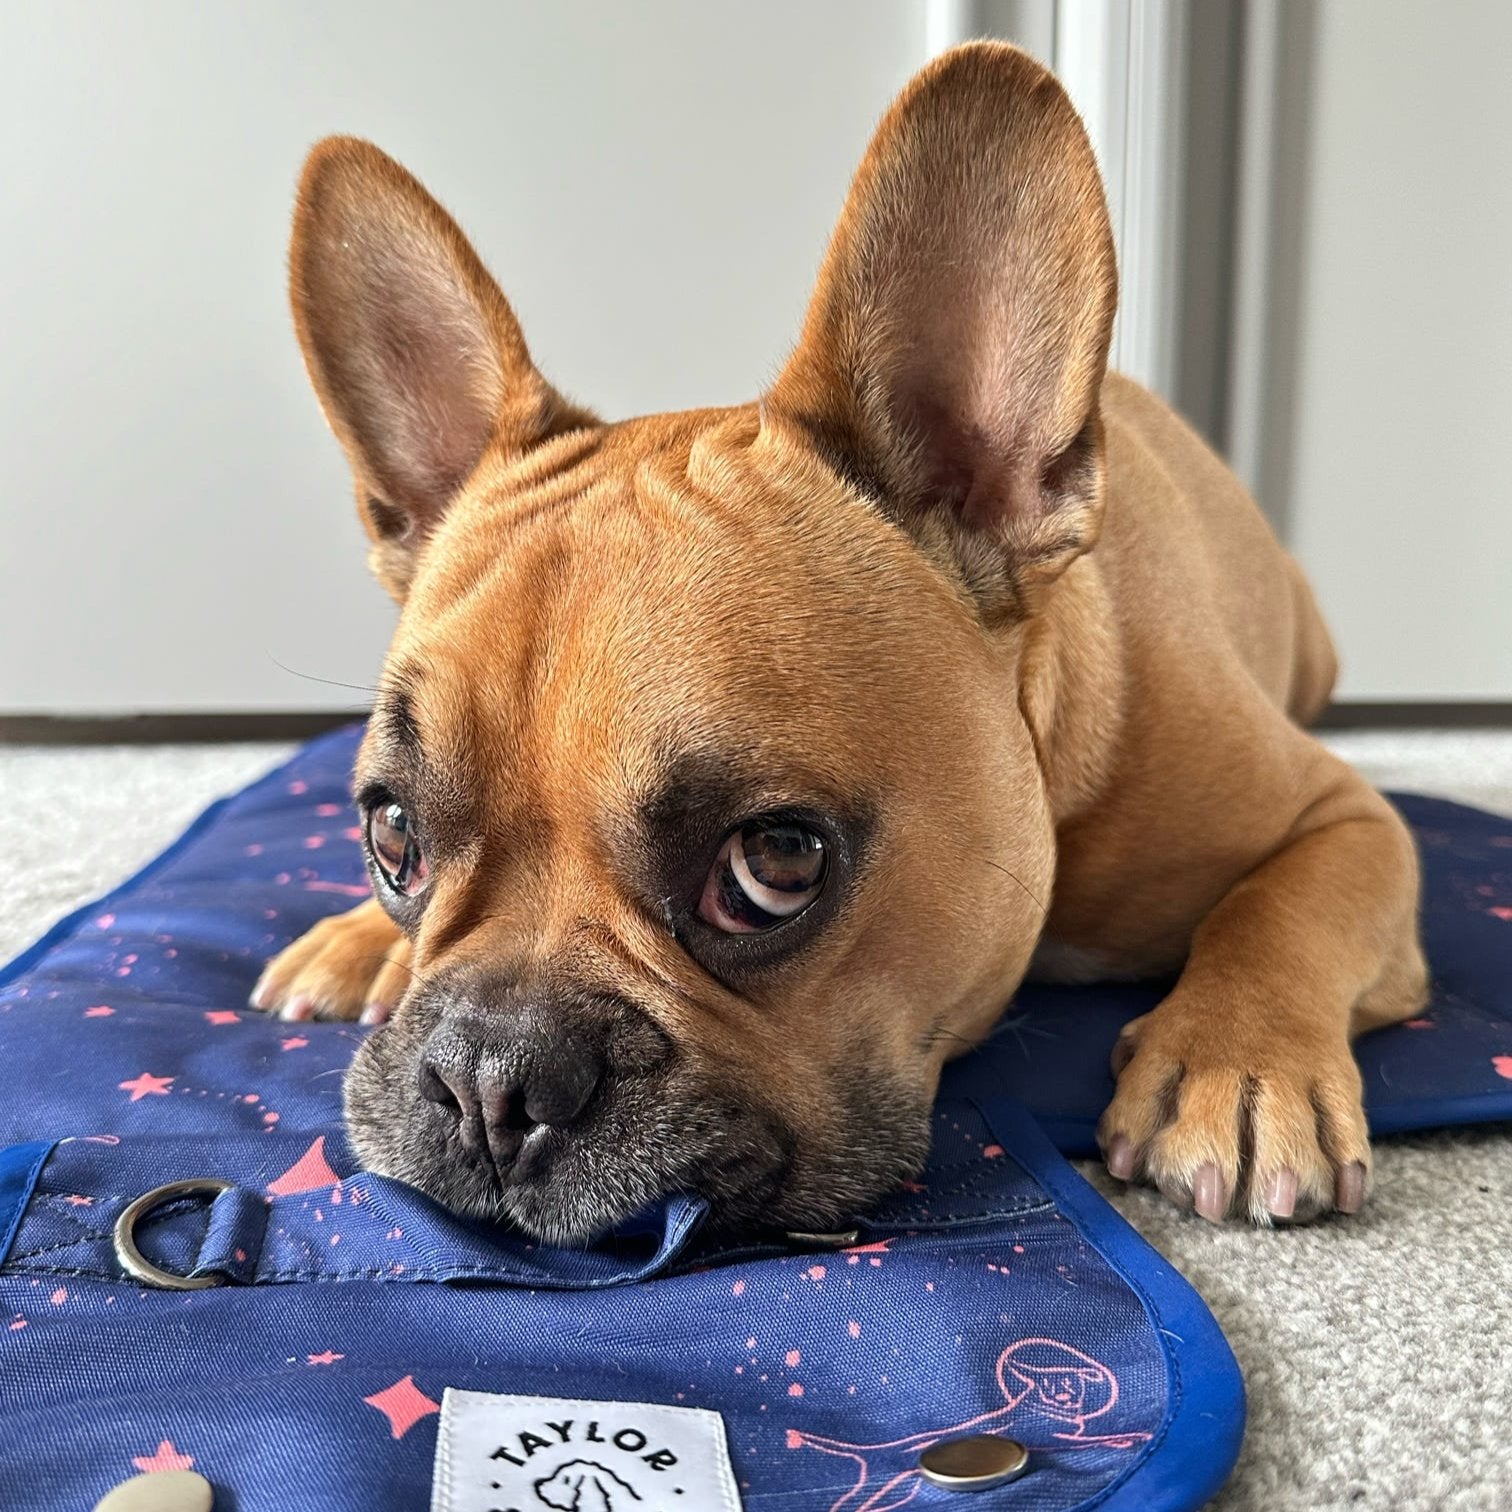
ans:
(501, 1078)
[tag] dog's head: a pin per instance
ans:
(703, 774)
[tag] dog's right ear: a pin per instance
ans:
(416, 356)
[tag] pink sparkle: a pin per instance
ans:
(992, 1152)
(147, 1085)
(253, 850)
(853, 1328)
(792, 1357)
(59, 1297)
(327, 810)
(795, 1389)
(222, 1016)
(76, 1199)
(346, 889)
(1501, 911)
(165, 1457)
(738, 1289)
(1503, 1064)
(295, 1042)
(403, 1404)
(104, 921)
(298, 787)
(314, 842)
(1419, 1024)
(98, 1011)
(325, 1357)
(815, 1272)
(17, 1323)
(794, 1439)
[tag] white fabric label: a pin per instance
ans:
(549, 1454)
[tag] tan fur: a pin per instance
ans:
(946, 563)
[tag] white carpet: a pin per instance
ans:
(1377, 1350)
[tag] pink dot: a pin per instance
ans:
(297, 787)
(171, 953)
(1420, 1023)
(253, 850)
(992, 1152)
(327, 810)
(314, 842)
(815, 1273)
(1503, 1064)
(853, 1328)
(270, 1118)
(1501, 912)
(738, 1289)
(99, 1011)
(104, 921)
(793, 1357)
(795, 1389)
(794, 1439)
(751, 1342)
(60, 1296)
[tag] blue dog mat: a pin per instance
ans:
(997, 1293)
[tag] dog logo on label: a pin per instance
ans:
(1051, 1392)
(585, 1486)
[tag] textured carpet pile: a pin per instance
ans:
(1377, 1350)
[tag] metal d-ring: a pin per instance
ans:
(134, 1262)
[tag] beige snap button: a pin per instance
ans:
(974, 1464)
(160, 1491)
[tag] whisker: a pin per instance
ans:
(1014, 877)
(330, 682)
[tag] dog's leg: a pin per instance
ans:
(348, 966)
(1240, 1089)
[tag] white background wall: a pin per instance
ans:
(653, 184)
(1396, 419)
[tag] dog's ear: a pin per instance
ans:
(416, 356)
(954, 351)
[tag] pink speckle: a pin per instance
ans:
(270, 1118)
(222, 1016)
(98, 1011)
(1018, 1249)
(325, 1357)
(129, 960)
(794, 1439)
(343, 889)
(751, 1342)
(1501, 911)
(78, 1199)
(1420, 1023)
(1503, 1064)
(352, 833)
(59, 1297)
(792, 1357)
(311, 1170)
(992, 1152)
(313, 842)
(299, 787)
(294, 1042)
(327, 810)
(171, 954)
(17, 1323)
(164, 1457)
(929, 1286)
(250, 1097)
(104, 921)
(795, 1390)
(878, 1248)
(123, 971)
(738, 1289)
(815, 1273)
(853, 1328)
(253, 850)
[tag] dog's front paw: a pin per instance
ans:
(350, 966)
(1229, 1120)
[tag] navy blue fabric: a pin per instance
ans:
(997, 1292)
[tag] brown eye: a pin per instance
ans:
(766, 872)
(395, 850)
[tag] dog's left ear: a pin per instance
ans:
(954, 350)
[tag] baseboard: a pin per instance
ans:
(1489, 715)
(166, 729)
(302, 724)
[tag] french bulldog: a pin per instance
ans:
(731, 768)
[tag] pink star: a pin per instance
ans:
(166, 1457)
(326, 1357)
(74, 1199)
(1503, 1064)
(222, 1016)
(100, 1011)
(403, 1404)
(311, 1170)
(147, 1085)
(295, 1042)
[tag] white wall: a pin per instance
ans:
(653, 183)
(1400, 486)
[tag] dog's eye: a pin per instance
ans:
(396, 851)
(766, 872)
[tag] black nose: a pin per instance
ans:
(502, 1076)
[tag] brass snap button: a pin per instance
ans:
(136, 1264)
(974, 1464)
(160, 1491)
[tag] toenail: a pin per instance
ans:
(1349, 1188)
(259, 995)
(1121, 1158)
(1210, 1194)
(1281, 1196)
(373, 1013)
(299, 1008)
